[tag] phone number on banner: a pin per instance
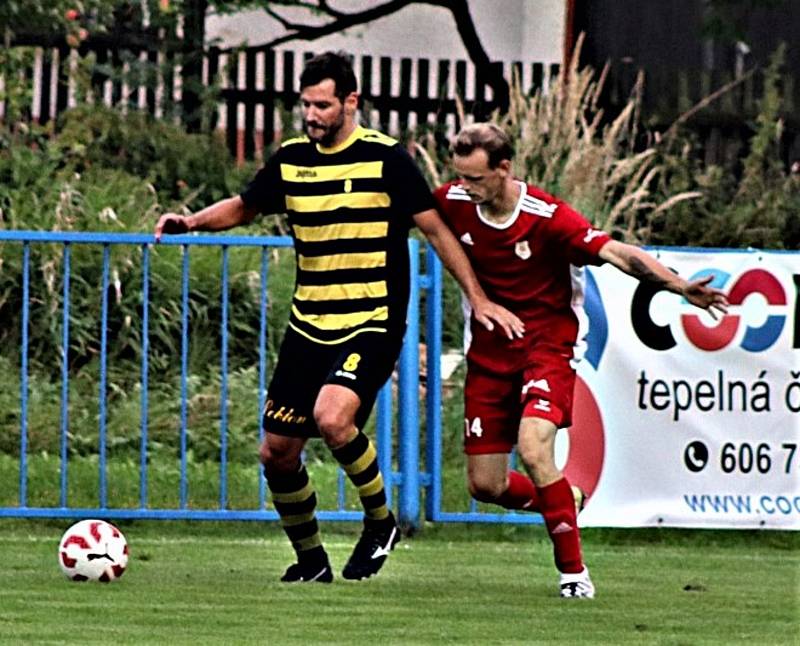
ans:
(743, 457)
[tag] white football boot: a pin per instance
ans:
(577, 586)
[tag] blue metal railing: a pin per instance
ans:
(410, 479)
(408, 426)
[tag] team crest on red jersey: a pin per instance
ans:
(522, 249)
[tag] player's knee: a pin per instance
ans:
(267, 455)
(334, 426)
(537, 458)
(485, 489)
(277, 459)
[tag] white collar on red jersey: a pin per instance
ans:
(523, 192)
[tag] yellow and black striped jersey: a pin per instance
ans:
(350, 209)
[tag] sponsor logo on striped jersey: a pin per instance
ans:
(331, 173)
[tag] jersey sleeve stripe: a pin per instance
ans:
(295, 140)
(375, 136)
(535, 206)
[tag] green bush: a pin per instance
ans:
(194, 169)
(752, 206)
(85, 179)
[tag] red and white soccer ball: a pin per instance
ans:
(93, 550)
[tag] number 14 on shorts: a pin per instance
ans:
(473, 428)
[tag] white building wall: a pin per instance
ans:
(543, 23)
(510, 30)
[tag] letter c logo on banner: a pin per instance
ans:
(724, 331)
(754, 281)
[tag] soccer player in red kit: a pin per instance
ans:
(528, 250)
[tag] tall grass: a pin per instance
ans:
(644, 186)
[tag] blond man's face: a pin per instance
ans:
(482, 183)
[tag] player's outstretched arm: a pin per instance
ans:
(222, 215)
(485, 311)
(643, 266)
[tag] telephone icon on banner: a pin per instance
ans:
(696, 456)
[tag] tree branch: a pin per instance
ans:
(274, 14)
(340, 22)
(324, 6)
(312, 6)
(477, 54)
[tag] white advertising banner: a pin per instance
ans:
(681, 420)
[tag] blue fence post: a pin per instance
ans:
(23, 382)
(223, 396)
(104, 376)
(64, 422)
(145, 371)
(262, 366)
(433, 394)
(183, 486)
(408, 404)
(383, 439)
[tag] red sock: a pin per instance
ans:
(558, 508)
(521, 493)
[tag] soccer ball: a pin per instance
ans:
(93, 550)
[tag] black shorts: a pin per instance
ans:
(362, 364)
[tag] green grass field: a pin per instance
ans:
(216, 583)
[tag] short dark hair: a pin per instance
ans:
(330, 65)
(488, 136)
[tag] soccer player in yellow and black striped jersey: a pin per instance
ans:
(351, 195)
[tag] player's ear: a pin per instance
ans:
(504, 165)
(351, 103)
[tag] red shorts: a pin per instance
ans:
(495, 403)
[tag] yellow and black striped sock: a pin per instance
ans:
(295, 501)
(359, 461)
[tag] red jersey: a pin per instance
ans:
(532, 265)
